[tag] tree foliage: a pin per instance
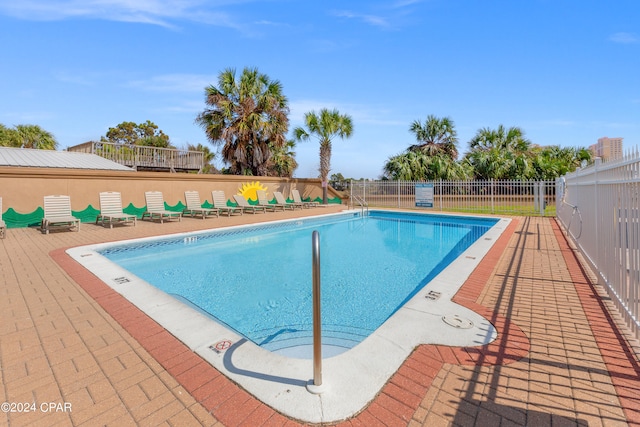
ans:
(27, 136)
(436, 136)
(283, 161)
(209, 157)
(501, 153)
(420, 166)
(339, 182)
(248, 117)
(130, 133)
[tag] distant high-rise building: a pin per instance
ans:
(607, 148)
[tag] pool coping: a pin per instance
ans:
(351, 379)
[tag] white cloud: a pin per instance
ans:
(360, 113)
(558, 122)
(154, 12)
(183, 83)
(624, 38)
(405, 3)
(377, 21)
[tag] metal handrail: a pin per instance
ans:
(363, 204)
(316, 387)
(575, 210)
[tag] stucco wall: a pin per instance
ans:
(23, 189)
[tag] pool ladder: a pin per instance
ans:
(363, 204)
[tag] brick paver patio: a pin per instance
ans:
(67, 339)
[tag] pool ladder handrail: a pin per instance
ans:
(316, 386)
(363, 204)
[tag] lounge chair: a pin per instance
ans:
(297, 199)
(194, 206)
(3, 226)
(220, 203)
(156, 209)
(246, 207)
(281, 200)
(111, 209)
(263, 201)
(57, 212)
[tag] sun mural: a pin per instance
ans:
(249, 189)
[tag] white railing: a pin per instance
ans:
(142, 157)
(599, 207)
(504, 197)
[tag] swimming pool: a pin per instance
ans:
(258, 281)
(352, 378)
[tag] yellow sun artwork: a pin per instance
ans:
(249, 190)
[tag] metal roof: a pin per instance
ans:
(28, 157)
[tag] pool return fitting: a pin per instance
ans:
(316, 386)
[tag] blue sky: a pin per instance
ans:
(567, 72)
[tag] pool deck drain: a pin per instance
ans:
(457, 321)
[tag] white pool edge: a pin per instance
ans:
(352, 379)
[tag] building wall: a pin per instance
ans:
(608, 148)
(23, 189)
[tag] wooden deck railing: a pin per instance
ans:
(144, 158)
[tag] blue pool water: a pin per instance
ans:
(257, 280)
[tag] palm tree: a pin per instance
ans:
(500, 154)
(31, 136)
(248, 117)
(511, 139)
(326, 125)
(8, 137)
(554, 161)
(435, 136)
(420, 166)
(283, 161)
(209, 157)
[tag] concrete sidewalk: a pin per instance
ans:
(85, 356)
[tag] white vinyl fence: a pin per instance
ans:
(599, 207)
(505, 197)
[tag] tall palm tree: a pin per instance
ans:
(33, 136)
(248, 116)
(325, 126)
(435, 136)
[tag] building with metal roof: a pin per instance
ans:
(28, 157)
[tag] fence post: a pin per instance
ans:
(595, 200)
(492, 196)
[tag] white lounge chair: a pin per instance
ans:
(57, 212)
(156, 208)
(111, 209)
(246, 207)
(281, 200)
(263, 201)
(3, 226)
(297, 199)
(220, 203)
(194, 206)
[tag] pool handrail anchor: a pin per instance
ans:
(316, 386)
